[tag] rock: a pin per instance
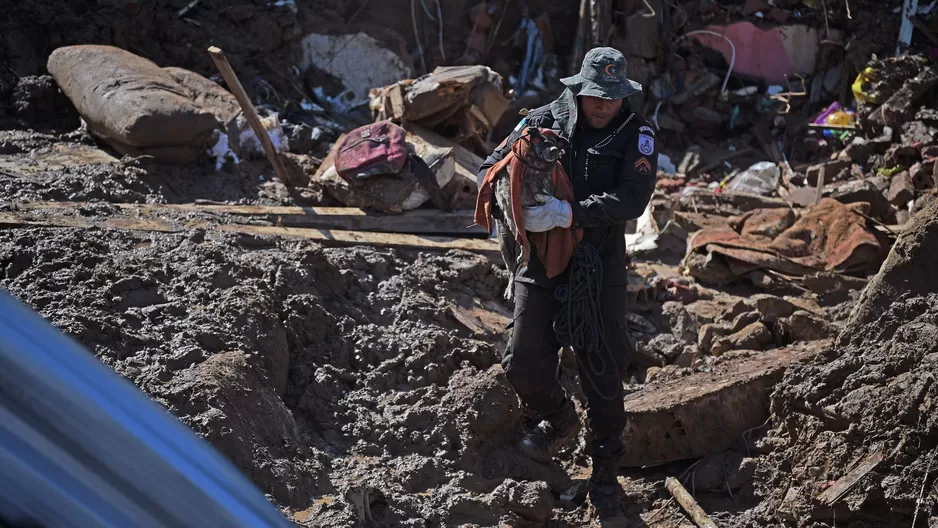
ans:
(681, 322)
(917, 132)
(704, 412)
(901, 154)
(901, 189)
(738, 308)
(688, 356)
(753, 337)
(858, 150)
(806, 326)
(639, 324)
(707, 311)
(869, 190)
(771, 308)
(531, 500)
(708, 333)
(921, 176)
(742, 321)
(831, 169)
(899, 107)
(668, 346)
(651, 373)
(930, 152)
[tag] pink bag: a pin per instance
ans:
(378, 148)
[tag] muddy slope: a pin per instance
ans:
(334, 378)
(873, 394)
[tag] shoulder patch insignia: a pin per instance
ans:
(646, 144)
(521, 123)
(643, 165)
(646, 128)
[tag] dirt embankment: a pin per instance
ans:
(861, 421)
(331, 377)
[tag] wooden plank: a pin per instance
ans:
(231, 79)
(851, 479)
(419, 221)
(336, 237)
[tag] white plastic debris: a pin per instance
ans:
(221, 151)
(761, 178)
(646, 233)
(244, 141)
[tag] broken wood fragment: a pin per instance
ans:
(851, 479)
(221, 62)
(694, 511)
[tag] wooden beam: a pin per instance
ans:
(419, 221)
(221, 62)
(330, 237)
(846, 483)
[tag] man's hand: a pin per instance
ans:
(552, 213)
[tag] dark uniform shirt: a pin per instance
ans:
(612, 170)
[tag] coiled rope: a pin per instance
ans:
(579, 323)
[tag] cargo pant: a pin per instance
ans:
(531, 360)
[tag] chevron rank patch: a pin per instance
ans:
(643, 165)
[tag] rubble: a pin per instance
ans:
(464, 101)
(346, 360)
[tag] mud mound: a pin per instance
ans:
(857, 433)
(340, 380)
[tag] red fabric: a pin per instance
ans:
(555, 247)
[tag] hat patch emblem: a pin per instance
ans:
(611, 72)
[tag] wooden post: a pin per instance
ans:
(820, 184)
(696, 513)
(221, 62)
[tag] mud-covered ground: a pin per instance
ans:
(319, 372)
(361, 387)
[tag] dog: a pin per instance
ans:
(537, 185)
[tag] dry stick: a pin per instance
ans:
(221, 62)
(921, 493)
(696, 513)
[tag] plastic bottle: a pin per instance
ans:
(761, 178)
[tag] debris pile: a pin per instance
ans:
(854, 433)
(360, 385)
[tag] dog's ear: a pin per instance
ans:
(534, 132)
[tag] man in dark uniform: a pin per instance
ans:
(612, 161)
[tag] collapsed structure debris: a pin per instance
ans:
(340, 341)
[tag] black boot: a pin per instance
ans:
(604, 495)
(550, 436)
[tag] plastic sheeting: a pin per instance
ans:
(82, 447)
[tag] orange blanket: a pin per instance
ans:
(555, 247)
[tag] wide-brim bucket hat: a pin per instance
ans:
(604, 75)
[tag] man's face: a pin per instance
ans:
(599, 112)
